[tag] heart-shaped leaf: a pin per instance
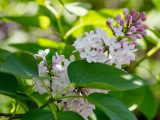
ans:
(102, 76)
(112, 107)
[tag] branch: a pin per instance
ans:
(16, 116)
(149, 54)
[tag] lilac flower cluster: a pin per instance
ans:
(131, 26)
(54, 78)
(95, 46)
(118, 50)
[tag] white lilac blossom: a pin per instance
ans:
(123, 55)
(54, 77)
(43, 72)
(95, 46)
(39, 87)
(60, 79)
(118, 50)
(42, 54)
(105, 50)
(118, 31)
(92, 46)
(79, 105)
(56, 82)
(43, 68)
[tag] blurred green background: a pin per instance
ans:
(30, 25)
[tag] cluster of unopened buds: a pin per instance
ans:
(96, 46)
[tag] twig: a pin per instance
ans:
(16, 116)
(149, 54)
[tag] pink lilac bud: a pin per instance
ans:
(137, 15)
(144, 26)
(110, 23)
(138, 36)
(132, 36)
(125, 11)
(133, 13)
(123, 41)
(132, 24)
(129, 33)
(133, 29)
(143, 16)
(139, 22)
(122, 22)
(134, 43)
(130, 20)
(118, 18)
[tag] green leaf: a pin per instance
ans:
(11, 64)
(34, 21)
(39, 99)
(102, 76)
(29, 47)
(34, 48)
(156, 3)
(38, 114)
(76, 9)
(100, 115)
(100, 18)
(143, 99)
(24, 20)
(152, 36)
(68, 51)
(127, 96)
(27, 60)
(86, 20)
(8, 84)
(112, 107)
(69, 115)
(4, 54)
(148, 105)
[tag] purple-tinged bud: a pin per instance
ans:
(130, 20)
(140, 29)
(125, 11)
(110, 23)
(133, 29)
(122, 22)
(143, 16)
(129, 33)
(138, 36)
(132, 36)
(127, 19)
(118, 18)
(124, 41)
(139, 21)
(133, 12)
(144, 26)
(137, 14)
(134, 43)
(144, 32)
